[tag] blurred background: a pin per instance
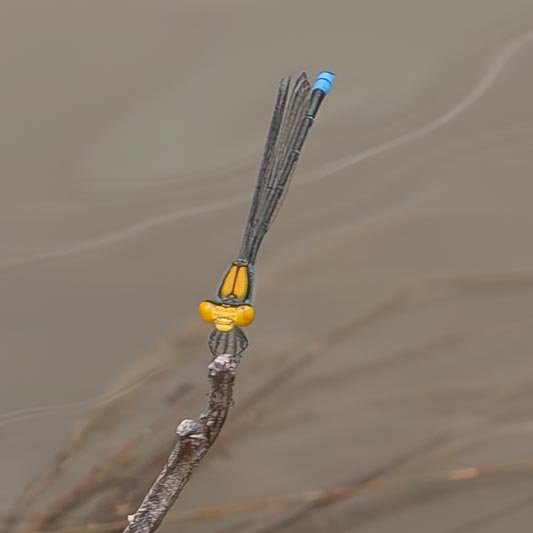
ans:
(392, 349)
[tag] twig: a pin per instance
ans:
(106, 470)
(195, 437)
(242, 417)
(152, 364)
(379, 485)
(401, 297)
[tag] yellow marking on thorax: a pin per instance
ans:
(236, 282)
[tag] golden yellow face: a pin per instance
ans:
(226, 317)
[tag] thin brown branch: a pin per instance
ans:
(105, 471)
(150, 365)
(362, 486)
(195, 438)
(312, 350)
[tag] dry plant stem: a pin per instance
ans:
(100, 474)
(395, 301)
(312, 350)
(79, 435)
(195, 437)
(383, 485)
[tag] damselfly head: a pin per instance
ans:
(226, 316)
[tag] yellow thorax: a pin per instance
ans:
(236, 283)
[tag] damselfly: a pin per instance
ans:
(293, 116)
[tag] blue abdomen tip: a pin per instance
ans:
(324, 82)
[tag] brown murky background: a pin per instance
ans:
(394, 336)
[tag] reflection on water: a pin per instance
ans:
(128, 165)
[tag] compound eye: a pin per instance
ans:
(206, 311)
(245, 315)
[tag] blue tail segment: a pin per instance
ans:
(324, 82)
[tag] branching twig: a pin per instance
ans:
(195, 437)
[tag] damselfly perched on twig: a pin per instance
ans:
(293, 116)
